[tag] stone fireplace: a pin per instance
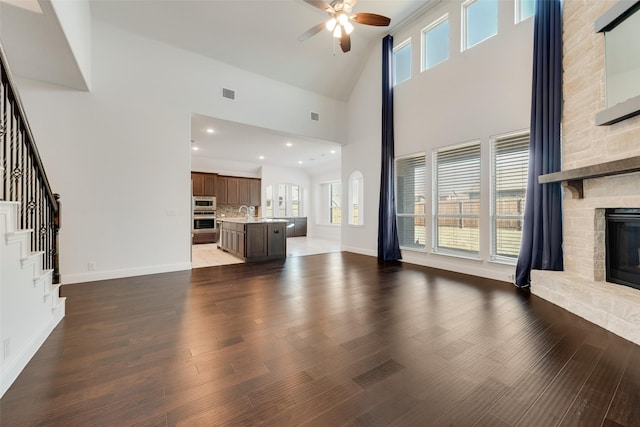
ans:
(582, 288)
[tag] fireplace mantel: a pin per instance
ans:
(572, 179)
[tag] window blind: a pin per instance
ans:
(411, 180)
(456, 201)
(510, 161)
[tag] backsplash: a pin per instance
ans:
(231, 211)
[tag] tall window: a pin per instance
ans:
(480, 21)
(509, 167)
(524, 9)
(295, 200)
(402, 62)
(335, 202)
(456, 199)
(411, 180)
(268, 202)
(435, 43)
(356, 195)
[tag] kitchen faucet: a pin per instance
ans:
(246, 208)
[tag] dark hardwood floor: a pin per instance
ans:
(322, 340)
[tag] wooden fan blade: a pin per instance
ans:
(311, 32)
(320, 4)
(372, 19)
(345, 41)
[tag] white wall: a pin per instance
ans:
(120, 155)
(225, 167)
(476, 94)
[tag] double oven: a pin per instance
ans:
(204, 215)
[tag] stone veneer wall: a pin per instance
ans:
(581, 288)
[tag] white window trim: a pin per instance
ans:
(423, 50)
(463, 27)
(518, 12)
(395, 49)
(360, 223)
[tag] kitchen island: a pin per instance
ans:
(254, 239)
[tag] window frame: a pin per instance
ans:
(331, 202)
(493, 216)
(518, 12)
(356, 176)
(423, 61)
(396, 49)
(463, 253)
(423, 216)
(465, 21)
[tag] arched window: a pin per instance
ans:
(356, 197)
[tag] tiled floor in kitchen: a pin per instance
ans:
(207, 255)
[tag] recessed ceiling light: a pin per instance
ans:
(209, 130)
(299, 162)
(195, 148)
(261, 157)
(333, 151)
(288, 144)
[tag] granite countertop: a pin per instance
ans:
(250, 221)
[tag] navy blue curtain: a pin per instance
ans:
(541, 247)
(388, 244)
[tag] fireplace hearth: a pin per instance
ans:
(623, 246)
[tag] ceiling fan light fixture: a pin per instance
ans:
(331, 24)
(337, 32)
(348, 27)
(343, 18)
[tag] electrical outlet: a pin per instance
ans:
(171, 212)
(91, 266)
(512, 277)
(6, 348)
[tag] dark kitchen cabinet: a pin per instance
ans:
(221, 190)
(254, 241)
(254, 192)
(232, 191)
(243, 191)
(203, 184)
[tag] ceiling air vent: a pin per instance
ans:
(228, 93)
(315, 116)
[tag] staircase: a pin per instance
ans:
(30, 306)
(30, 303)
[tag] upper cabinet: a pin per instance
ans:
(203, 184)
(228, 190)
(221, 190)
(255, 192)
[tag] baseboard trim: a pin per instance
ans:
(361, 251)
(126, 272)
(15, 367)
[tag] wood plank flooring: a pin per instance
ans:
(322, 340)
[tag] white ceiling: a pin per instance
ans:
(244, 143)
(256, 35)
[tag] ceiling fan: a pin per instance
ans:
(340, 23)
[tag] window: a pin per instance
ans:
(456, 199)
(402, 62)
(480, 21)
(268, 202)
(524, 9)
(411, 180)
(295, 200)
(335, 202)
(509, 168)
(282, 199)
(356, 195)
(435, 43)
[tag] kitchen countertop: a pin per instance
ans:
(251, 221)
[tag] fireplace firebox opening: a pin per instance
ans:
(622, 240)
